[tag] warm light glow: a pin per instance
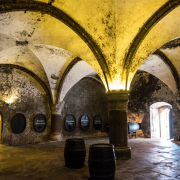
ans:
(10, 100)
(128, 85)
(106, 86)
(117, 85)
(130, 77)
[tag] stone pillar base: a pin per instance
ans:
(122, 153)
(55, 136)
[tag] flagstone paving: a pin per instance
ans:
(151, 159)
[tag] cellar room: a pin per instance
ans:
(89, 90)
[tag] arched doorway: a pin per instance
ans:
(0, 126)
(161, 121)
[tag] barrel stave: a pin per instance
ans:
(102, 162)
(74, 153)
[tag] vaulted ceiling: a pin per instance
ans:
(62, 41)
(33, 40)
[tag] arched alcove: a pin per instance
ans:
(86, 96)
(78, 71)
(22, 93)
(161, 122)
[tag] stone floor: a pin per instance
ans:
(151, 159)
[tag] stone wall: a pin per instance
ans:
(146, 90)
(88, 97)
(28, 98)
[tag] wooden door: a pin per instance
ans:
(154, 116)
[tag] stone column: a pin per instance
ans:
(55, 134)
(117, 106)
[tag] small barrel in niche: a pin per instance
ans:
(102, 162)
(74, 153)
(18, 123)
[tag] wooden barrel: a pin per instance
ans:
(74, 153)
(102, 162)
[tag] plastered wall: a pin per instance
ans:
(29, 99)
(88, 96)
(145, 91)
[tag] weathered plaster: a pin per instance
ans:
(37, 28)
(80, 70)
(98, 18)
(171, 44)
(145, 91)
(6, 42)
(131, 15)
(53, 60)
(112, 24)
(164, 31)
(155, 66)
(173, 54)
(29, 98)
(41, 35)
(23, 56)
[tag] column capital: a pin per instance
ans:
(117, 100)
(57, 108)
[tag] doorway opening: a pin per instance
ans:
(161, 121)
